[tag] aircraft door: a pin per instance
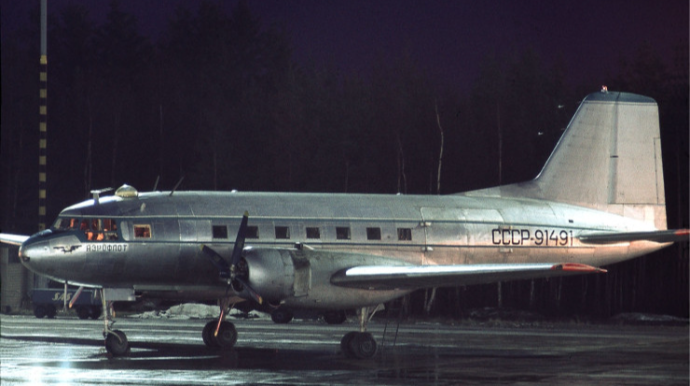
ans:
(446, 235)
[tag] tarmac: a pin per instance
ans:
(69, 351)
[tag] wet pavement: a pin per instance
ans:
(69, 351)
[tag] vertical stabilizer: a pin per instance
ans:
(609, 158)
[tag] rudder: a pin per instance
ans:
(609, 159)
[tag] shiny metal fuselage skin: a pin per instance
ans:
(443, 230)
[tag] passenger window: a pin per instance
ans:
(342, 233)
(373, 233)
(313, 233)
(404, 234)
(220, 232)
(282, 232)
(252, 232)
(142, 231)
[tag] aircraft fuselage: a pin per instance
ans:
(151, 242)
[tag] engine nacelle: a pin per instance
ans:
(271, 273)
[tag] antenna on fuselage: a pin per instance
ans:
(176, 185)
(97, 193)
(155, 185)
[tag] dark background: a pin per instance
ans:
(322, 96)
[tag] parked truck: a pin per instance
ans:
(47, 301)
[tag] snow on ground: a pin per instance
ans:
(195, 311)
(639, 318)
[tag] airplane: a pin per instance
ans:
(598, 200)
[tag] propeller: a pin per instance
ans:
(233, 271)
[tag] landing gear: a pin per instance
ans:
(220, 333)
(207, 334)
(227, 335)
(360, 344)
(116, 343)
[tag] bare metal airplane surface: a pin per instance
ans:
(598, 200)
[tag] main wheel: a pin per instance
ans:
(227, 335)
(207, 335)
(345, 344)
(363, 345)
(334, 317)
(281, 316)
(116, 343)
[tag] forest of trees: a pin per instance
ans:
(220, 100)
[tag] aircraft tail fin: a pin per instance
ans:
(609, 158)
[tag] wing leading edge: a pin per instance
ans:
(412, 277)
(12, 239)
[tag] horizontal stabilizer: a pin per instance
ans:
(669, 236)
(412, 277)
(12, 239)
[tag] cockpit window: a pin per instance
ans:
(95, 229)
(66, 223)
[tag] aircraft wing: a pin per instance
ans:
(412, 277)
(12, 239)
(668, 236)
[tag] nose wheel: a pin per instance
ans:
(116, 343)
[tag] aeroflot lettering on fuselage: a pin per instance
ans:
(106, 247)
(539, 237)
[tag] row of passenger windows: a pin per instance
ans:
(283, 233)
(106, 229)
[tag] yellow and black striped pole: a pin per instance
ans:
(43, 119)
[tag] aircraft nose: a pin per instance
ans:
(22, 255)
(30, 254)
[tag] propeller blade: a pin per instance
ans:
(230, 271)
(217, 260)
(251, 291)
(239, 242)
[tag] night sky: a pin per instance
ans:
(447, 38)
(271, 122)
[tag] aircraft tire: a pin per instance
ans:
(334, 317)
(207, 335)
(363, 345)
(116, 343)
(345, 344)
(227, 335)
(281, 316)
